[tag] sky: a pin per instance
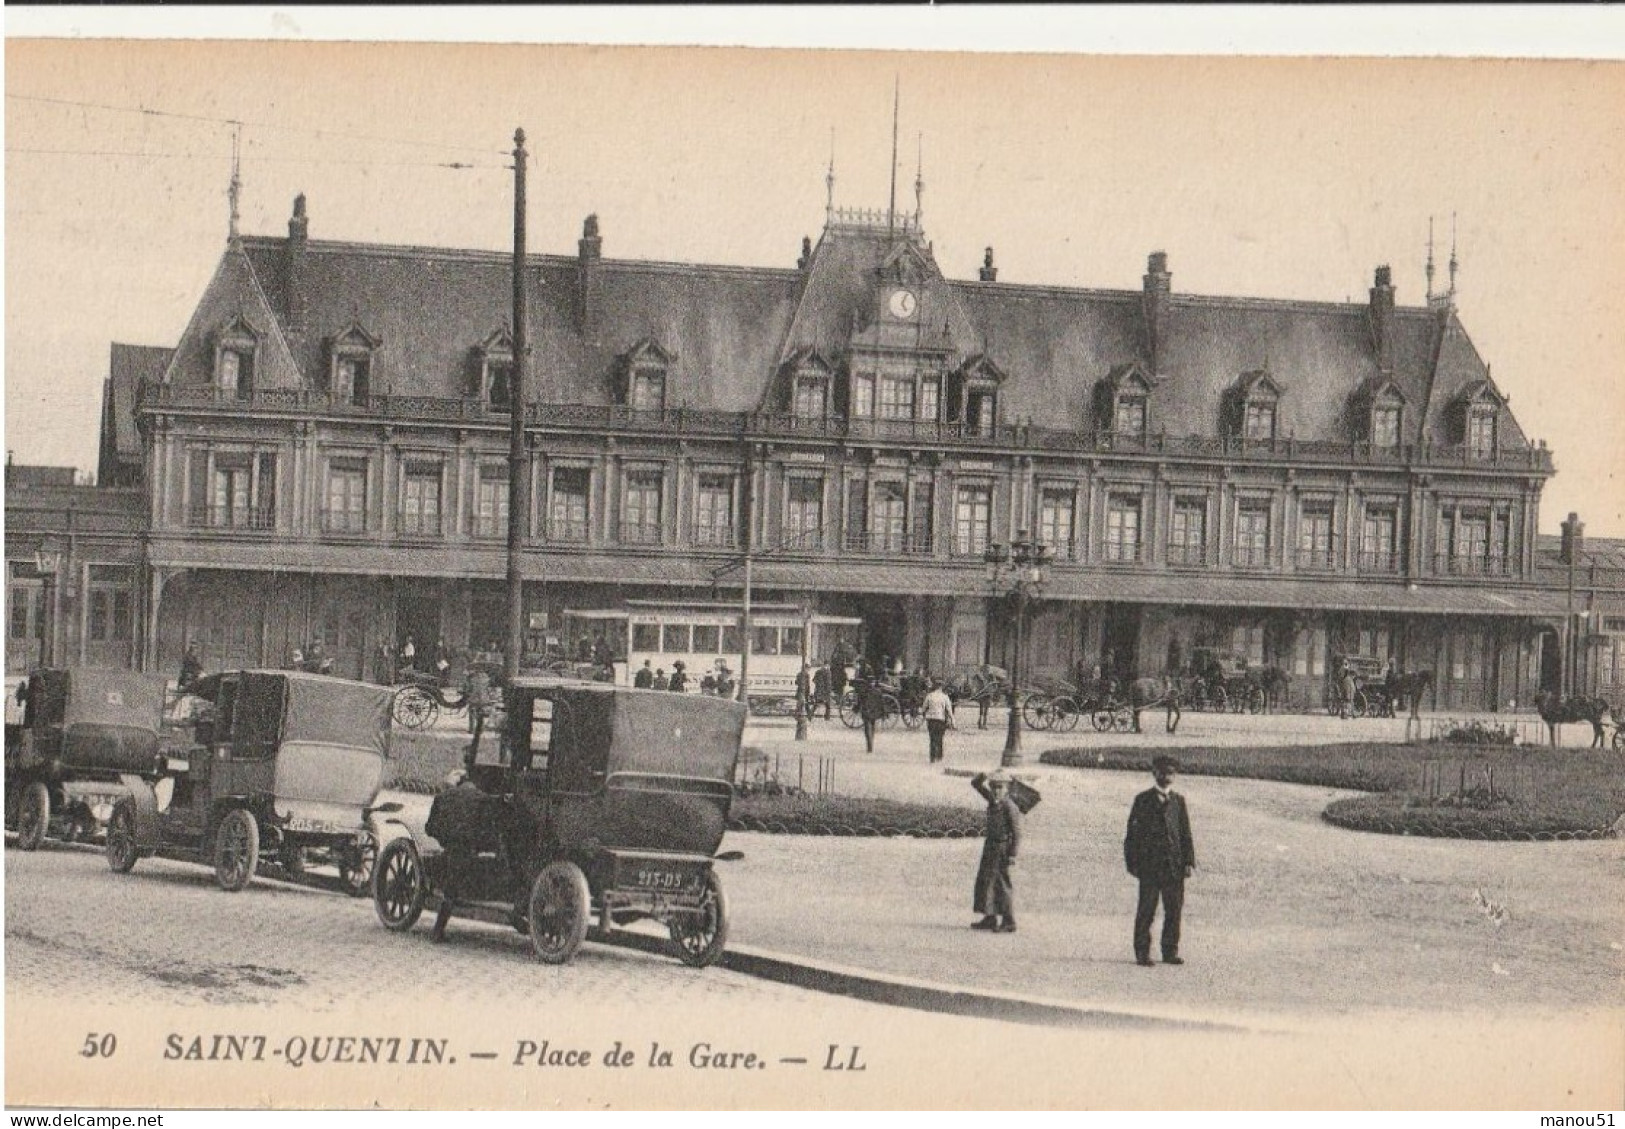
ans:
(1278, 178)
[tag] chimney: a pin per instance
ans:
(589, 261)
(1382, 318)
(989, 272)
(806, 253)
(1574, 532)
(297, 293)
(1158, 291)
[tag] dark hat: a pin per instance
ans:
(1165, 762)
(678, 665)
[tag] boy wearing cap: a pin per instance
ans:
(995, 896)
(1159, 852)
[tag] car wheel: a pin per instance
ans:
(560, 906)
(398, 888)
(122, 851)
(356, 862)
(35, 816)
(700, 938)
(236, 850)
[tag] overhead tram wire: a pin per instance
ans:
(246, 158)
(312, 131)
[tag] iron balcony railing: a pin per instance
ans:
(887, 542)
(1122, 552)
(1251, 556)
(419, 525)
(714, 537)
(232, 517)
(567, 531)
(1378, 561)
(1187, 556)
(1317, 559)
(698, 422)
(343, 521)
(1451, 565)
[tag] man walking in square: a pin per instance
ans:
(994, 896)
(938, 709)
(1159, 852)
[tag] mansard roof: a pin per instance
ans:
(731, 330)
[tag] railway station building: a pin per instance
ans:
(324, 453)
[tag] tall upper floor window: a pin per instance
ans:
(863, 395)
(714, 510)
(1315, 548)
(345, 509)
(973, 519)
(1379, 531)
(567, 517)
(896, 397)
(931, 398)
(491, 501)
(420, 499)
(1473, 540)
(920, 521)
(641, 498)
(232, 489)
(1253, 533)
(804, 512)
(1123, 527)
(888, 518)
(1187, 532)
(1055, 509)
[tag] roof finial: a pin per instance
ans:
(235, 191)
(891, 206)
(919, 179)
(1453, 263)
(1430, 260)
(829, 180)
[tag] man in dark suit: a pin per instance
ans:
(994, 897)
(1159, 852)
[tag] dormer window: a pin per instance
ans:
(235, 350)
(1254, 409)
(812, 393)
(643, 377)
(496, 371)
(1380, 406)
(350, 360)
(1123, 402)
(973, 392)
(1385, 425)
(1481, 432)
(1128, 418)
(1478, 410)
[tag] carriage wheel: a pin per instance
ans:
(913, 717)
(1035, 711)
(356, 862)
(1101, 719)
(1255, 699)
(1064, 716)
(1619, 737)
(398, 886)
(700, 938)
(236, 850)
(1122, 719)
(560, 906)
(1362, 704)
(1219, 699)
(415, 708)
(848, 709)
(34, 817)
(121, 847)
(891, 714)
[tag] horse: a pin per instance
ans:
(1408, 687)
(1555, 711)
(1274, 681)
(981, 684)
(1143, 693)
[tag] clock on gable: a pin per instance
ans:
(902, 303)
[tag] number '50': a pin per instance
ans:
(99, 1046)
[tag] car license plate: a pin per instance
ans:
(317, 826)
(653, 876)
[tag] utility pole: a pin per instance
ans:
(747, 629)
(518, 457)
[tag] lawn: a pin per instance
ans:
(1472, 791)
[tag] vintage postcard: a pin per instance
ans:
(568, 577)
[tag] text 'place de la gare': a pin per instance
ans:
(324, 454)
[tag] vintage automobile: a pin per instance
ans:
(598, 805)
(279, 761)
(82, 730)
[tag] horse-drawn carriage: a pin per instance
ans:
(278, 762)
(1372, 695)
(82, 731)
(421, 698)
(1223, 681)
(599, 805)
(902, 700)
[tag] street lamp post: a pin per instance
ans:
(1017, 570)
